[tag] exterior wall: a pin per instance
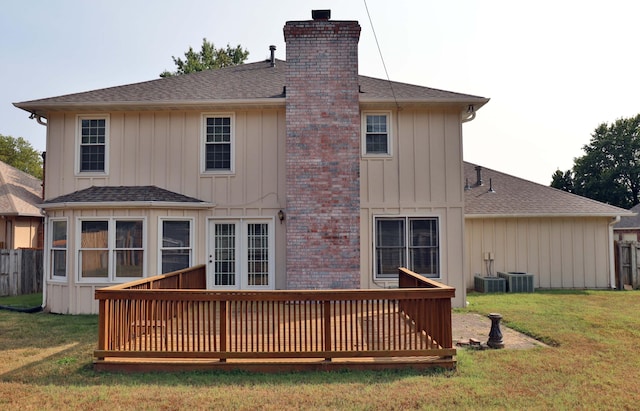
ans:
(323, 152)
(25, 232)
(422, 178)
(561, 252)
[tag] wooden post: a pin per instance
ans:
(327, 327)
(223, 329)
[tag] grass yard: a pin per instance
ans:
(594, 363)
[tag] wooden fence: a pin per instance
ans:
(20, 272)
(627, 265)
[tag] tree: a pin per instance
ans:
(609, 171)
(18, 153)
(208, 58)
(562, 181)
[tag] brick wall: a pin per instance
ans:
(323, 154)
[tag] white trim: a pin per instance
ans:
(192, 248)
(363, 133)
(111, 238)
(126, 204)
(241, 255)
(49, 249)
(406, 217)
(203, 142)
(107, 119)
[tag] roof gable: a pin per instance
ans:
(516, 197)
(20, 193)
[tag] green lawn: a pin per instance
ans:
(594, 363)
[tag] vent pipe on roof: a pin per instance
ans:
(478, 176)
(272, 59)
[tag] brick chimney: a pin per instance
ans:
(323, 153)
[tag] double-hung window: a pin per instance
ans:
(111, 249)
(58, 249)
(412, 242)
(176, 245)
(92, 144)
(218, 143)
(376, 139)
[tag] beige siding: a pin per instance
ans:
(422, 178)
(561, 252)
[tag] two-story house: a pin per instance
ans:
(296, 174)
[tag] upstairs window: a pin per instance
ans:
(376, 135)
(93, 134)
(218, 143)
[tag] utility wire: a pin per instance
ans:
(381, 57)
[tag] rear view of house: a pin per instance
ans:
(275, 174)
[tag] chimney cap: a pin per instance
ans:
(321, 14)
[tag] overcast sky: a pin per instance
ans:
(554, 69)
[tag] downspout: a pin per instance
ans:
(612, 256)
(46, 218)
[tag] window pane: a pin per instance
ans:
(218, 156)
(258, 254)
(377, 144)
(388, 260)
(174, 260)
(176, 233)
(424, 261)
(424, 250)
(92, 158)
(94, 263)
(225, 254)
(59, 263)
(129, 263)
(424, 233)
(59, 234)
(390, 233)
(129, 234)
(94, 234)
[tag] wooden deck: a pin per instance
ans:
(158, 329)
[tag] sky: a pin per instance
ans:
(553, 69)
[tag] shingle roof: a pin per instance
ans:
(20, 193)
(121, 194)
(630, 221)
(515, 196)
(253, 82)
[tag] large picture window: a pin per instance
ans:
(58, 249)
(218, 143)
(175, 245)
(111, 249)
(92, 144)
(411, 242)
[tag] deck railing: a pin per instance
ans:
(174, 316)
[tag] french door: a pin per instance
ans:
(241, 254)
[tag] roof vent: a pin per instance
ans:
(273, 55)
(321, 14)
(479, 176)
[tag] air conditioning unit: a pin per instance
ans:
(517, 282)
(489, 284)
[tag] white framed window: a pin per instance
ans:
(92, 143)
(218, 140)
(176, 244)
(406, 241)
(111, 249)
(58, 236)
(376, 133)
(241, 253)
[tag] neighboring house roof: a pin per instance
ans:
(252, 83)
(123, 196)
(630, 222)
(516, 197)
(20, 193)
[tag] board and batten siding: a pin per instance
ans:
(423, 177)
(561, 252)
(164, 149)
